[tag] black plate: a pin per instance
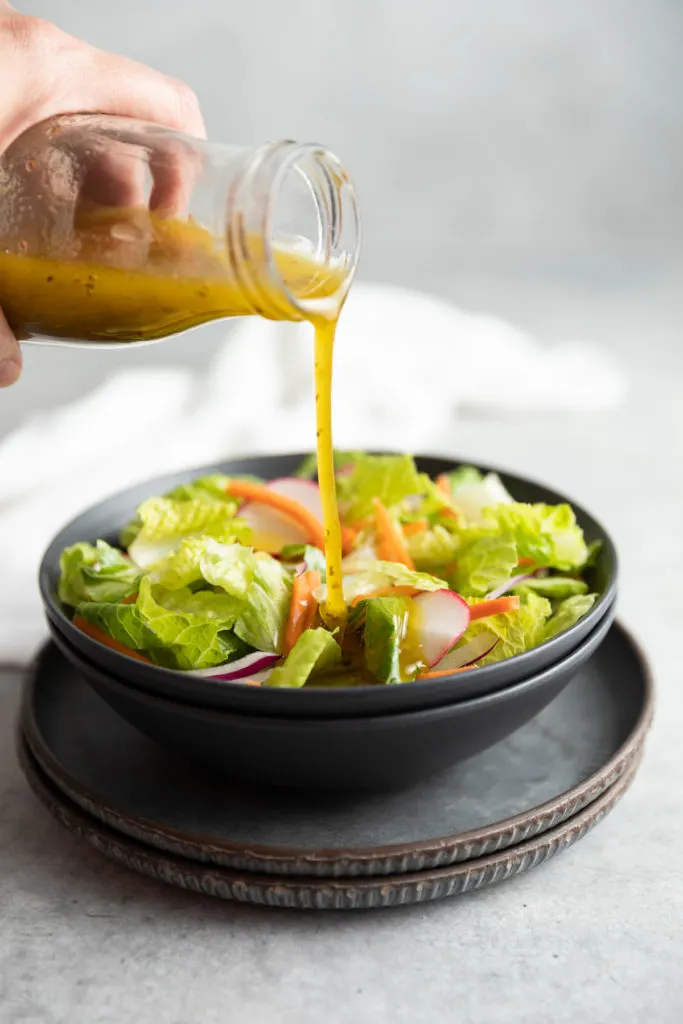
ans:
(106, 520)
(369, 752)
(548, 772)
(306, 893)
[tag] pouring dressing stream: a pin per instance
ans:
(118, 232)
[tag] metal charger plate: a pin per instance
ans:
(543, 775)
(305, 893)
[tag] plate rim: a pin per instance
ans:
(315, 893)
(330, 862)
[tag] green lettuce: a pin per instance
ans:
(547, 534)
(204, 488)
(228, 566)
(308, 468)
(568, 613)
(377, 575)
(463, 475)
(484, 564)
(165, 522)
(391, 478)
(433, 549)
(517, 631)
(96, 572)
(556, 588)
(175, 628)
(315, 652)
(263, 618)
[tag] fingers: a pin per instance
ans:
(10, 355)
(46, 72)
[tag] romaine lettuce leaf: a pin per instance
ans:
(517, 631)
(484, 564)
(386, 625)
(315, 652)
(548, 534)
(568, 613)
(204, 488)
(391, 478)
(177, 629)
(95, 573)
(556, 588)
(263, 619)
(433, 549)
(228, 566)
(308, 469)
(471, 497)
(164, 523)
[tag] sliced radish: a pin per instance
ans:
(444, 617)
(271, 529)
(251, 665)
(469, 654)
(305, 492)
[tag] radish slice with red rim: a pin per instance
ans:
(304, 492)
(468, 654)
(443, 618)
(271, 529)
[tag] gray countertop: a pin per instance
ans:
(594, 935)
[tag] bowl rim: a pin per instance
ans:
(522, 661)
(530, 683)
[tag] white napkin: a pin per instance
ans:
(407, 367)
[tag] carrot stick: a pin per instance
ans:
(302, 608)
(445, 672)
(444, 484)
(391, 545)
(349, 538)
(248, 491)
(500, 605)
(98, 634)
(417, 526)
(385, 592)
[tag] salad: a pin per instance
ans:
(224, 577)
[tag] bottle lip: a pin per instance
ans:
(334, 198)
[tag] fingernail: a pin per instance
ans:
(10, 371)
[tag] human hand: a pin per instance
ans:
(45, 72)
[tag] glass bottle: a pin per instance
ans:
(116, 231)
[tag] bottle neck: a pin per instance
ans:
(293, 231)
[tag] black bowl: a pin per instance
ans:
(370, 752)
(106, 520)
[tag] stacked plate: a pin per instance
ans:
(369, 738)
(349, 797)
(508, 809)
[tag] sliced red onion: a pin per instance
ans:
(509, 584)
(471, 653)
(248, 666)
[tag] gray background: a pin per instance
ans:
(521, 158)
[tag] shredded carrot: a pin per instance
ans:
(444, 672)
(444, 484)
(526, 561)
(131, 599)
(303, 607)
(98, 634)
(386, 592)
(251, 682)
(248, 491)
(500, 605)
(448, 513)
(349, 538)
(417, 526)
(391, 545)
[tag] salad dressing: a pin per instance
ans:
(132, 276)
